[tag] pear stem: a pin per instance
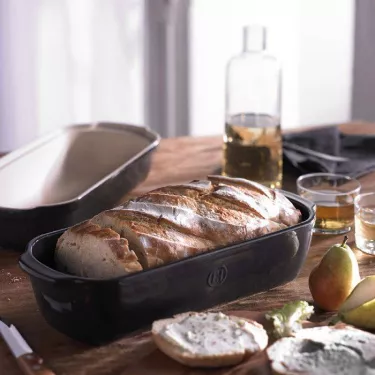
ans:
(345, 240)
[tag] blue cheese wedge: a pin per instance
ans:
(209, 338)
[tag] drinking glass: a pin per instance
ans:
(364, 206)
(333, 195)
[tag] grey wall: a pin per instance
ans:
(363, 99)
(166, 66)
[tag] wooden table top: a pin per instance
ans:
(177, 160)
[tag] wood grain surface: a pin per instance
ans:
(177, 160)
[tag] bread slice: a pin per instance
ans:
(88, 250)
(324, 350)
(216, 340)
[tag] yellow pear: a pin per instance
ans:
(333, 279)
(359, 307)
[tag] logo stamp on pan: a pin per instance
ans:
(217, 277)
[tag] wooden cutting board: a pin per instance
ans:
(154, 362)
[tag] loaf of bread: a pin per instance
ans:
(172, 223)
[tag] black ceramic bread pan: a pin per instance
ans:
(98, 311)
(69, 176)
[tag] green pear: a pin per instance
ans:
(362, 293)
(334, 278)
(359, 307)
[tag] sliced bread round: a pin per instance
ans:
(209, 339)
(325, 350)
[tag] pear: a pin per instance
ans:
(359, 308)
(334, 278)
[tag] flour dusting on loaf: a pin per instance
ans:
(172, 223)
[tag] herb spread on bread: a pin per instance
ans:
(325, 350)
(209, 339)
(212, 334)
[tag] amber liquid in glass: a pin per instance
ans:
(253, 149)
(335, 216)
(334, 210)
(365, 229)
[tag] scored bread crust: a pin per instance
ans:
(179, 354)
(175, 222)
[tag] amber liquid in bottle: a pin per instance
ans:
(253, 149)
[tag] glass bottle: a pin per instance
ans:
(252, 139)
